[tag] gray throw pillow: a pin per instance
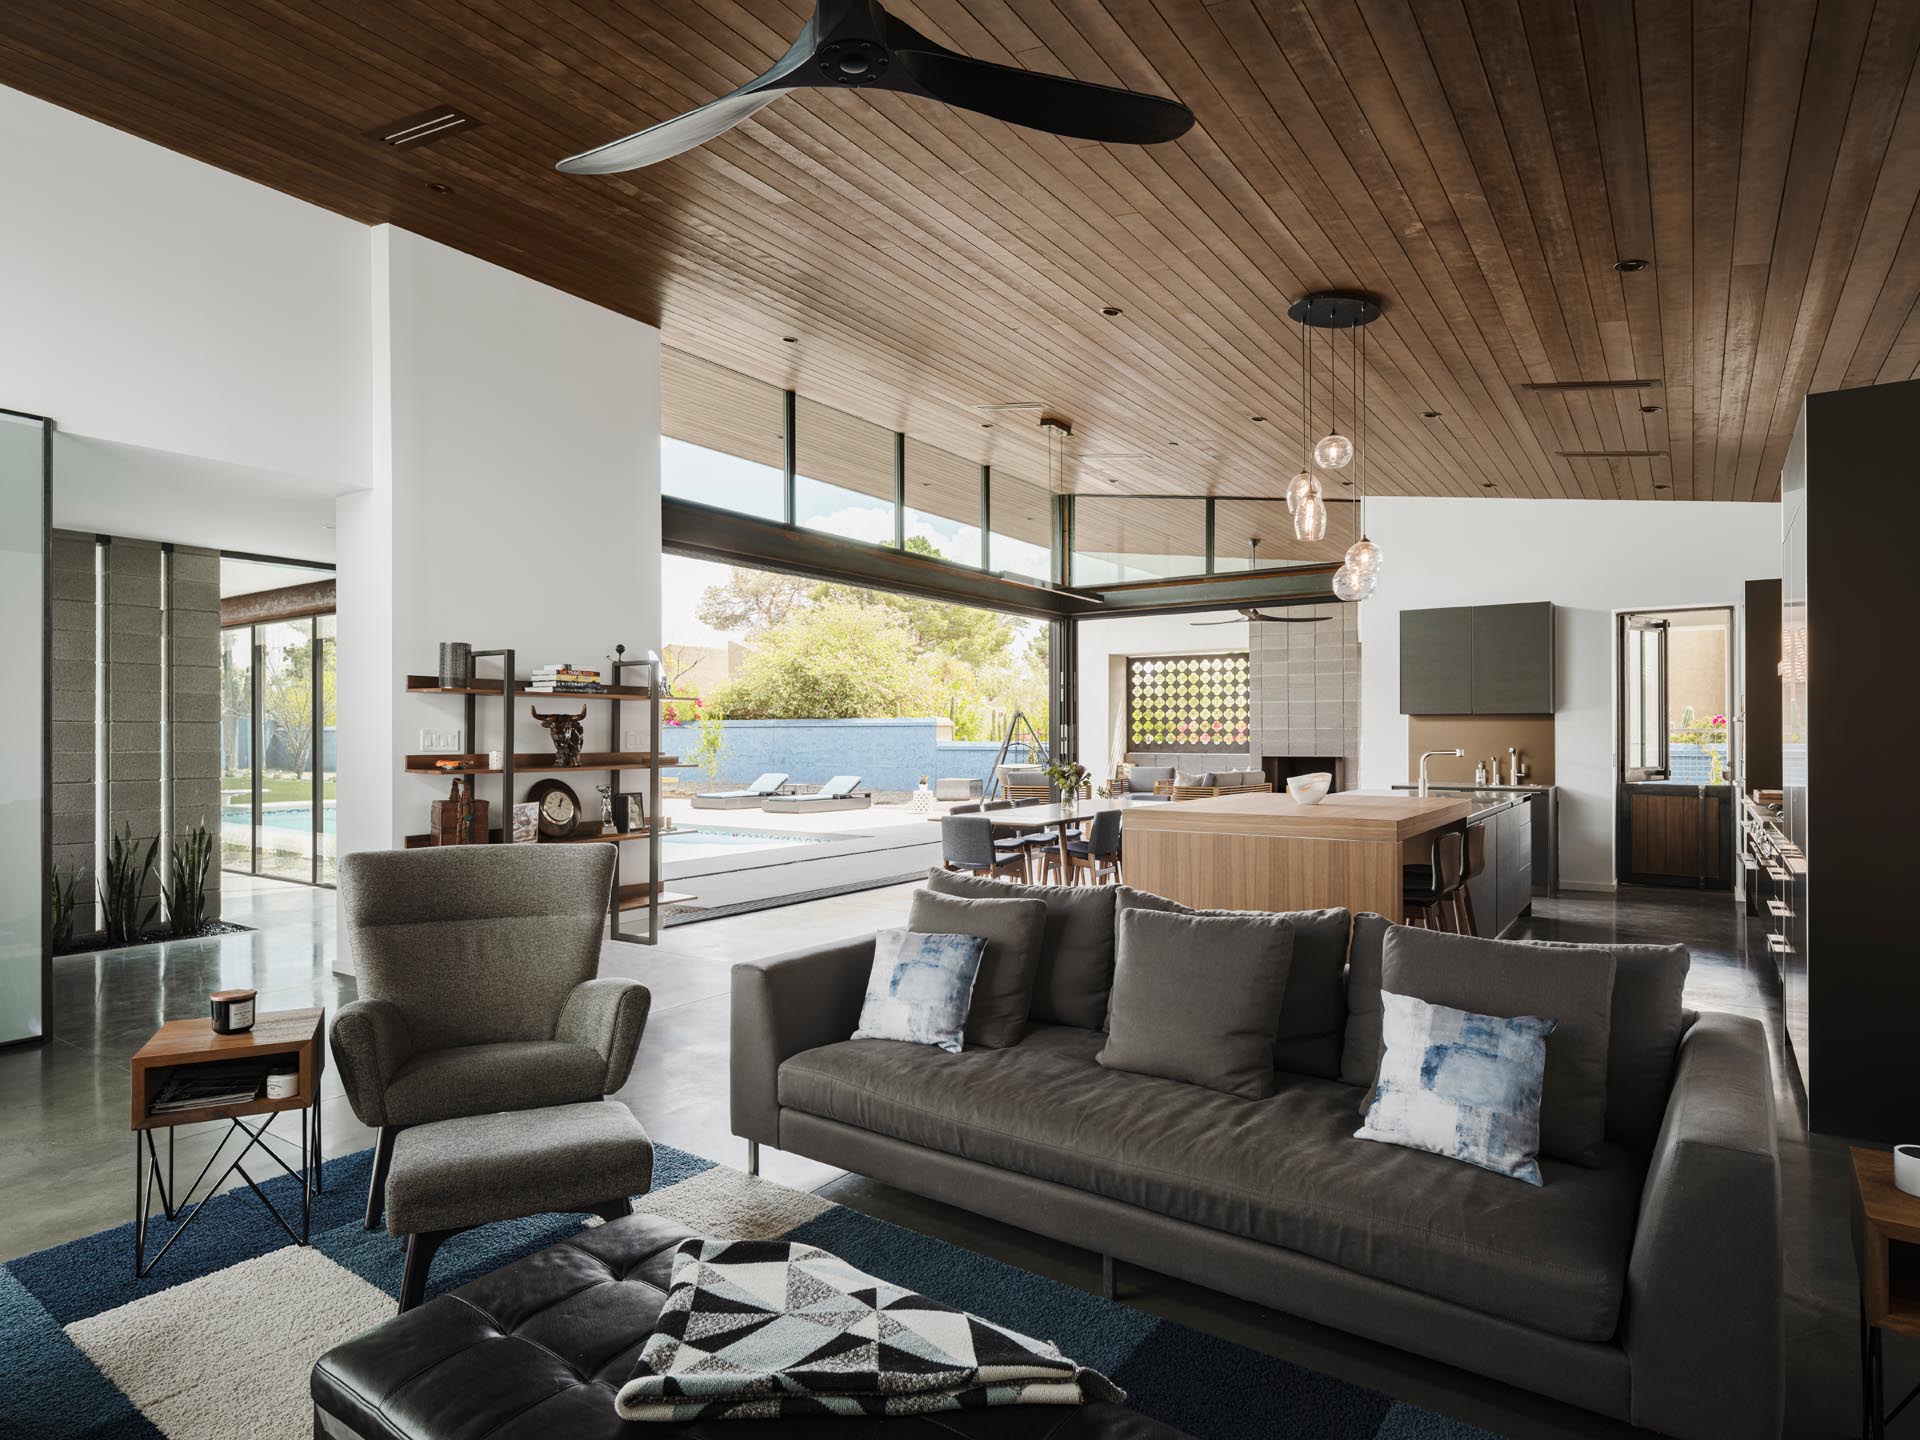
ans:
(1571, 986)
(1360, 1050)
(1196, 998)
(1075, 973)
(1186, 778)
(1003, 988)
(1643, 1037)
(1313, 1014)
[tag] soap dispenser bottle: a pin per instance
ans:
(1480, 774)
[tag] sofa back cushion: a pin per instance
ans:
(1074, 976)
(1003, 986)
(1313, 1015)
(1140, 778)
(1196, 998)
(1570, 985)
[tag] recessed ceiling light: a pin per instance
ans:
(1174, 443)
(1658, 486)
(1110, 310)
(1429, 414)
(789, 339)
(1258, 419)
(1649, 409)
(1627, 267)
(986, 424)
(1486, 484)
(437, 188)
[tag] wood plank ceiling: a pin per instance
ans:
(1479, 164)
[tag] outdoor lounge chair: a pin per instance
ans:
(836, 794)
(748, 798)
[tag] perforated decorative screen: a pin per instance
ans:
(1188, 702)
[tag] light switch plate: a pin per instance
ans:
(440, 742)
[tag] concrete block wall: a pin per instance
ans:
(193, 698)
(1305, 686)
(135, 740)
(75, 738)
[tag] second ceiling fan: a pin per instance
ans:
(856, 44)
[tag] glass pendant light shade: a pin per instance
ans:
(1304, 486)
(1363, 557)
(1310, 519)
(1333, 452)
(1346, 584)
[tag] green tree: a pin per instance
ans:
(750, 601)
(831, 660)
(289, 701)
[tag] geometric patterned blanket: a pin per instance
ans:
(766, 1329)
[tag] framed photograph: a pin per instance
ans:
(526, 823)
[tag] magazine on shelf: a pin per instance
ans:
(193, 1087)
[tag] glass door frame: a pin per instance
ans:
(256, 689)
(45, 679)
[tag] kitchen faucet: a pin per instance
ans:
(1457, 754)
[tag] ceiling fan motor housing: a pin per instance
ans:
(852, 62)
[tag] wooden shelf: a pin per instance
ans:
(430, 685)
(606, 837)
(542, 763)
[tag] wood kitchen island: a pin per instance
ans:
(1266, 852)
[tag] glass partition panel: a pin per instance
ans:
(722, 437)
(1020, 524)
(1117, 539)
(843, 475)
(325, 631)
(23, 754)
(1238, 524)
(236, 748)
(943, 504)
(284, 835)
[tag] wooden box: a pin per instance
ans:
(461, 822)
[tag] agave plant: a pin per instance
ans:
(121, 884)
(187, 897)
(60, 900)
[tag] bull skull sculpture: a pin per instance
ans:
(568, 732)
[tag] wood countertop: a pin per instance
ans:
(1341, 816)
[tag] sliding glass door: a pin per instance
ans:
(277, 727)
(25, 468)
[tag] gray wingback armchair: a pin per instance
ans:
(476, 968)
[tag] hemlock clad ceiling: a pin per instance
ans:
(1481, 166)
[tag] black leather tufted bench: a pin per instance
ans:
(536, 1350)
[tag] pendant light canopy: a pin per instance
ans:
(1335, 313)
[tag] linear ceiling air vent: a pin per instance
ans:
(1609, 454)
(1591, 385)
(1009, 405)
(424, 128)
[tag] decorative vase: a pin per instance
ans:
(456, 664)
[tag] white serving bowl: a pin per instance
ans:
(1309, 789)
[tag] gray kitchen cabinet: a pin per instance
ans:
(1477, 660)
(1436, 661)
(1484, 889)
(1513, 659)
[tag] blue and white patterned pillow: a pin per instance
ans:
(920, 987)
(1461, 1085)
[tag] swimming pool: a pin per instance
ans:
(280, 817)
(683, 843)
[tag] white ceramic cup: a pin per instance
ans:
(1309, 789)
(1906, 1168)
(495, 759)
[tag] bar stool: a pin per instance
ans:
(1475, 866)
(1427, 891)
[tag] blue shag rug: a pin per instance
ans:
(217, 1343)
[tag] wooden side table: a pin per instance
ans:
(1886, 1243)
(182, 1044)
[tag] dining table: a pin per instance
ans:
(1057, 816)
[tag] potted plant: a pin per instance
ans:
(1069, 777)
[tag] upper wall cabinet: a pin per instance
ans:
(1477, 660)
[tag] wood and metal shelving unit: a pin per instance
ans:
(648, 894)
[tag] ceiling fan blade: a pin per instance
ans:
(1285, 619)
(686, 132)
(1078, 109)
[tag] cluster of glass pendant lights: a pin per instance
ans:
(1335, 450)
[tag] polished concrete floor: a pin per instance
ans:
(66, 1162)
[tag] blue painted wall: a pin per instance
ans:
(885, 754)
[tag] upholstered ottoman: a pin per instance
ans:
(455, 1174)
(536, 1350)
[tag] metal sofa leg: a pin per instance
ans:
(377, 1186)
(413, 1275)
(1109, 1279)
(753, 1157)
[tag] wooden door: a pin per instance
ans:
(1675, 835)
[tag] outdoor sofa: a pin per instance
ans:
(746, 798)
(836, 794)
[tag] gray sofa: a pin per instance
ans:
(1648, 1288)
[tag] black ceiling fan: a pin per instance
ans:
(857, 44)
(1270, 619)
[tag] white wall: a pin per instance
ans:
(150, 300)
(515, 502)
(1101, 640)
(1591, 558)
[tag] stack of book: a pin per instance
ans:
(564, 680)
(194, 1087)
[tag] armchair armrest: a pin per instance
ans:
(1704, 1329)
(607, 1015)
(370, 1043)
(783, 1006)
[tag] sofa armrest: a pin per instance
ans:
(370, 1043)
(607, 1015)
(783, 1006)
(1704, 1329)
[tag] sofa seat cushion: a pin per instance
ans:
(1284, 1170)
(480, 1079)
